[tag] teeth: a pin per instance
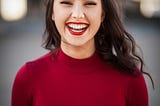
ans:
(77, 26)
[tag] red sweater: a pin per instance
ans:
(65, 81)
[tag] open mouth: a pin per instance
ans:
(77, 28)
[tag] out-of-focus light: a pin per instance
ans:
(149, 7)
(12, 10)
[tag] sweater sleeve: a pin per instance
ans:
(21, 91)
(137, 94)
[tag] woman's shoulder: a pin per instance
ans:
(45, 57)
(131, 80)
(35, 66)
(135, 78)
(42, 61)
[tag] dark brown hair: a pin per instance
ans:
(113, 43)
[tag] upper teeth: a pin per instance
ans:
(77, 26)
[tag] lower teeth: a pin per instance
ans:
(76, 30)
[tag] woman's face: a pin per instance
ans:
(77, 21)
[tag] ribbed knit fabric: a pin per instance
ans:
(65, 81)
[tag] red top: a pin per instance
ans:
(65, 81)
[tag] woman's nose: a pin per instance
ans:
(78, 12)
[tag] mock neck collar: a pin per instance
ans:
(70, 60)
(81, 66)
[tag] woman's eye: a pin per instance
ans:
(90, 3)
(66, 3)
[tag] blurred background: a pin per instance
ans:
(22, 26)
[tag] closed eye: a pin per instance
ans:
(90, 3)
(66, 3)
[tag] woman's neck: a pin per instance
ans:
(78, 52)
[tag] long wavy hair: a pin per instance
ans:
(113, 43)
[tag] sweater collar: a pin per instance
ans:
(69, 60)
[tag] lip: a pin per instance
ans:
(77, 32)
(77, 23)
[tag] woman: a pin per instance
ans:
(92, 62)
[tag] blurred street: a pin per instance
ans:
(21, 41)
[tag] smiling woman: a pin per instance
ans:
(92, 60)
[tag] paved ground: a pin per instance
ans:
(21, 42)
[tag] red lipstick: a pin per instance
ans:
(77, 28)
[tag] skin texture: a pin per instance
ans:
(77, 11)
